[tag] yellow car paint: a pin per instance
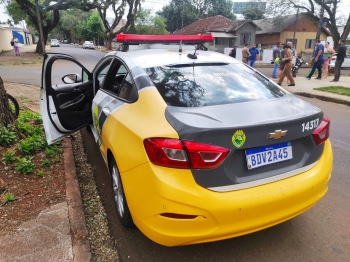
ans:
(152, 190)
(128, 126)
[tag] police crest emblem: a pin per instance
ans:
(238, 138)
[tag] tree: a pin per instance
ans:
(118, 7)
(147, 24)
(6, 115)
(312, 9)
(180, 13)
(252, 12)
(44, 15)
(92, 28)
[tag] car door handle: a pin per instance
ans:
(106, 111)
(78, 89)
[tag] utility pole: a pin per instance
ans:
(295, 27)
(319, 28)
(40, 26)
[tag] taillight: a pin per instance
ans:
(333, 58)
(321, 133)
(184, 154)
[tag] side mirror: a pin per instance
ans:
(71, 79)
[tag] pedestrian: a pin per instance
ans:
(245, 53)
(16, 45)
(341, 54)
(287, 71)
(233, 52)
(276, 53)
(326, 62)
(254, 55)
(290, 44)
(318, 60)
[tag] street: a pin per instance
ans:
(320, 234)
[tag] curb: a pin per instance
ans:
(324, 98)
(78, 230)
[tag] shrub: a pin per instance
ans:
(8, 198)
(50, 152)
(7, 136)
(46, 163)
(40, 172)
(26, 147)
(24, 165)
(26, 116)
(9, 156)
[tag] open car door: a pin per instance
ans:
(65, 97)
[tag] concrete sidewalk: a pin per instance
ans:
(59, 233)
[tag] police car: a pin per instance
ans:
(200, 147)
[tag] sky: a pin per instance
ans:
(156, 5)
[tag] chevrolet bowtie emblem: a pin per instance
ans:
(278, 134)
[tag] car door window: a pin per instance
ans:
(121, 83)
(101, 72)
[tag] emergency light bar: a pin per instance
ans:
(147, 39)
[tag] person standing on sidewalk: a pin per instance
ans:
(276, 53)
(233, 52)
(254, 55)
(318, 60)
(245, 53)
(326, 62)
(16, 45)
(341, 54)
(287, 71)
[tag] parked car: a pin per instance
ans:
(88, 44)
(199, 146)
(55, 42)
(65, 41)
(346, 62)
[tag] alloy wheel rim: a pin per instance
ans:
(118, 192)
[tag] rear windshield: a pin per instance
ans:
(211, 84)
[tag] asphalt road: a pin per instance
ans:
(32, 74)
(320, 234)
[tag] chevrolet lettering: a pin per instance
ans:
(190, 137)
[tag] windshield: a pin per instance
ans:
(211, 84)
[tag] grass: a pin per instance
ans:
(340, 90)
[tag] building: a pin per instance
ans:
(272, 30)
(6, 34)
(226, 32)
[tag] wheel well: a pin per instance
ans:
(109, 157)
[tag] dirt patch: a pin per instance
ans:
(25, 194)
(9, 58)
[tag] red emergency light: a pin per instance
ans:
(146, 39)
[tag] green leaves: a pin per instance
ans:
(7, 136)
(24, 165)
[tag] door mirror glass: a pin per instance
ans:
(71, 79)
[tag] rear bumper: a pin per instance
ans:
(153, 190)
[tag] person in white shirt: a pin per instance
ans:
(16, 45)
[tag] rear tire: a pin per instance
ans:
(13, 105)
(120, 202)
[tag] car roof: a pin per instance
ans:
(157, 57)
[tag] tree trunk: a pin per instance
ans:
(39, 49)
(6, 115)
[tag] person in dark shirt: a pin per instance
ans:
(341, 54)
(233, 52)
(318, 60)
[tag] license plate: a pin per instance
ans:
(267, 155)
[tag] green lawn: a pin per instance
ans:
(340, 90)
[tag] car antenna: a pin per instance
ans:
(194, 56)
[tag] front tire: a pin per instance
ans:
(120, 202)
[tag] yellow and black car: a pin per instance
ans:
(200, 147)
